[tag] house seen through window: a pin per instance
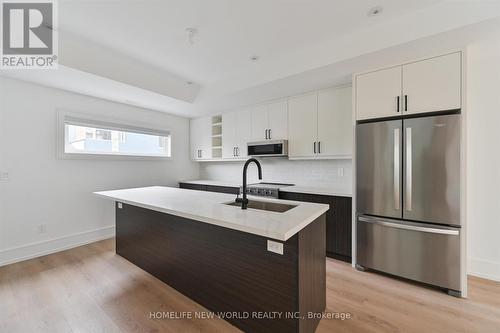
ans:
(86, 139)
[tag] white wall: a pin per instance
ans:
(43, 189)
(322, 173)
(483, 154)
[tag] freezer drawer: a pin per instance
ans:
(417, 251)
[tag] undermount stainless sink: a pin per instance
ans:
(264, 205)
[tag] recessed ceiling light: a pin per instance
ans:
(254, 58)
(375, 11)
(191, 32)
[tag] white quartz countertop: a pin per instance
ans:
(209, 207)
(305, 188)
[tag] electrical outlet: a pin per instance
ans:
(340, 172)
(275, 247)
(4, 176)
(42, 228)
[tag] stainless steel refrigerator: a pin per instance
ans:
(408, 199)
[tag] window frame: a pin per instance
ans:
(94, 120)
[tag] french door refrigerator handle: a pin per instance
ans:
(409, 180)
(388, 223)
(397, 185)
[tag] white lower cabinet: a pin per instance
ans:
(320, 124)
(236, 133)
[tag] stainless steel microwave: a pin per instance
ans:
(268, 148)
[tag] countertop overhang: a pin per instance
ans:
(209, 207)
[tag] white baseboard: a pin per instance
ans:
(33, 250)
(484, 268)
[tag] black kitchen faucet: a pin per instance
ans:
(244, 200)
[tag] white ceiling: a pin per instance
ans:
(230, 31)
(137, 52)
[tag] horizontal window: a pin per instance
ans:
(83, 136)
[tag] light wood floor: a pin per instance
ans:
(91, 289)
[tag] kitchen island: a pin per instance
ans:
(263, 268)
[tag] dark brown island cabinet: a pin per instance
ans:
(338, 218)
(230, 272)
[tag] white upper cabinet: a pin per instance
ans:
(278, 120)
(320, 124)
(243, 132)
(270, 121)
(335, 122)
(235, 134)
(302, 125)
(428, 85)
(229, 140)
(260, 122)
(200, 137)
(433, 85)
(378, 94)
(317, 125)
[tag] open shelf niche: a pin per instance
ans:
(217, 136)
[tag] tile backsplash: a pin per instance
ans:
(335, 174)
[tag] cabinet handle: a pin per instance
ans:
(319, 147)
(406, 102)
(397, 104)
(237, 151)
(234, 151)
(269, 134)
(315, 147)
(266, 134)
